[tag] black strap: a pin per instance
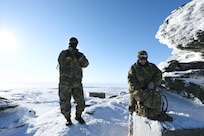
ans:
(167, 104)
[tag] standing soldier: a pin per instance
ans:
(71, 62)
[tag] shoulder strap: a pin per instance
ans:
(163, 97)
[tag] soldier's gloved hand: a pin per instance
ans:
(151, 85)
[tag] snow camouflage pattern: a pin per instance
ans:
(70, 66)
(139, 76)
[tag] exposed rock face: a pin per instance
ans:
(183, 31)
(185, 78)
(6, 104)
(188, 89)
(176, 66)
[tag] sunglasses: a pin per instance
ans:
(143, 57)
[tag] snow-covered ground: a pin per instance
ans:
(38, 113)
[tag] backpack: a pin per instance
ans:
(153, 105)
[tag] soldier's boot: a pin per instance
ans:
(69, 122)
(80, 119)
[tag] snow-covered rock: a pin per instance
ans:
(184, 123)
(183, 31)
(6, 104)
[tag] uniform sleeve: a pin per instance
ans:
(83, 61)
(62, 56)
(157, 76)
(132, 80)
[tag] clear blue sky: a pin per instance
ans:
(110, 33)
